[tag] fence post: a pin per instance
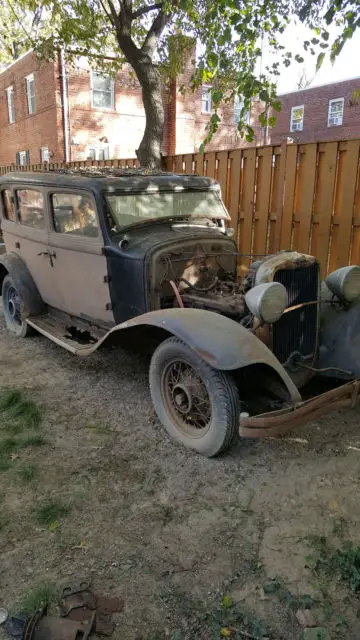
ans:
(280, 196)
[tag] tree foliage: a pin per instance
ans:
(152, 37)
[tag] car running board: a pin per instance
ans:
(76, 341)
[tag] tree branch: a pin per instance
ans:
(155, 32)
(143, 10)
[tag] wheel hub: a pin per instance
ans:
(13, 305)
(187, 398)
(182, 398)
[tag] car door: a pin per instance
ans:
(25, 229)
(80, 266)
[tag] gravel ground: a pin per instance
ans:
(169, 531)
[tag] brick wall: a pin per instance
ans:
(29, 132)
(122, 128)
(316, 104)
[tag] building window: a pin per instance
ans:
(98, 152)
(44, 154)
(206, 99)
(238, 107)
(297, 118)
(31, 208)
(23, 157)
(336, 112)
(30, 93)
(102, 91)
(10, 104)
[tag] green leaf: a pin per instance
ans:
(320, 60)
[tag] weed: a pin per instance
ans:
(18, 412)
(7, 445)
(38, 597)
(343, 562)
(5, 464)
(51, 511)
(32, 441)
(27, 472)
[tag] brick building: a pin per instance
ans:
(53, 111)
(318, 114)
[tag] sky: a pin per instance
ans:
(347, 65)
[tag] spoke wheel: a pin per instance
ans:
(187, 398)
(12, 308)
(197, 404)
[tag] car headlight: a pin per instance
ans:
(345, 283)
(267, 301)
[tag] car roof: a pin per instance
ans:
(111, 179)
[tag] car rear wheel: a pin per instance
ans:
(198, 405)
(11, 302)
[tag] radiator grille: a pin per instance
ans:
(297, 330)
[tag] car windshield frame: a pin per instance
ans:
(113, 221)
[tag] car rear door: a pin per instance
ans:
(80, 266)
(26, 233)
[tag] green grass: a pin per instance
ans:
(18, 412)
(342, 562)
(51, 511)
(32, 441)
(7, 445)
(27, 472)
(5, 464)
(37, 598)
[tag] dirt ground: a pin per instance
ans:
(171, 532)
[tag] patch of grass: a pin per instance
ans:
(50, 512)
(27, 472)
(5, 464)
(18, 412)
(342, 562)
(38, 597)
(7, 445)
(32, 441)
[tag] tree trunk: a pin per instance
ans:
(149, 151)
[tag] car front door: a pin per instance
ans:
(80, 267)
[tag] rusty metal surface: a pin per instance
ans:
(63, 629)
(283, 260)
(278, 422)
(221, 342)
(79, 603)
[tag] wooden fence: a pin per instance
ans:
(301, 197)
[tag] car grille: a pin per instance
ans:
(297, 330)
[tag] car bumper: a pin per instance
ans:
(278, 422)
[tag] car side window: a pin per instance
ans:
(8, 205)
(31, 208)
(74, 214)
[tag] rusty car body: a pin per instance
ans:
(95, 258)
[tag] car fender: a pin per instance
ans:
(221, 342)
(13, 265)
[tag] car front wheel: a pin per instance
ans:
(198, 405)
(11, 302)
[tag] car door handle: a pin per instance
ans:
(48, 253)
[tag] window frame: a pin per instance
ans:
(73, 237)
(30, 79)
(98, 147)
(27, 187)
(42, 149)
(10, 190)
(10, 104)
(331, 102)
(112, 91)
(207, 88)
(239, 108)
(299, 106)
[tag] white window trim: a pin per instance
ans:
(329, 112)
(22, 158)
(99, 147)
(208, 87)
(112, 108)
(292, 129)
(238, 106)
(28, 79)
(10, 102)
(42, 151)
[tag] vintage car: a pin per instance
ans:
(99, 258)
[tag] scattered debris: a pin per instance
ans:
(81, 613)
(305, 618)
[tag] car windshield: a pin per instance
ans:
(126, 210)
